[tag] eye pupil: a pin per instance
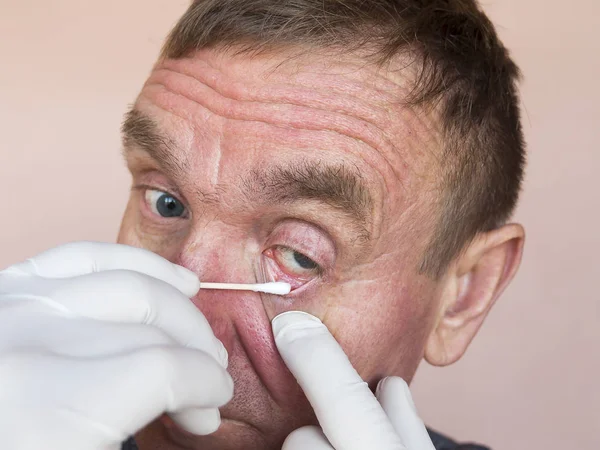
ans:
(304, 261)
(168, 206)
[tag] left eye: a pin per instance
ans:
(164, 204)
(295, 263)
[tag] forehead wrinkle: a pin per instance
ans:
(368, 95)
(371, 92)
(352, 97)
(286, 116)
(259, 109)
(360, 79)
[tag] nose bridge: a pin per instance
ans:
(218, 252)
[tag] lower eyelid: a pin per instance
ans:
(272, 272)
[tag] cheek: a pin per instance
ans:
(383, 332)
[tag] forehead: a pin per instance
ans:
(242, 108)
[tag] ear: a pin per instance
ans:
(471, 287)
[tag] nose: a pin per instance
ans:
(221, 253)
(217, 252)
(239, 319)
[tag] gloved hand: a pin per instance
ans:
(96, 341)
(351, 417)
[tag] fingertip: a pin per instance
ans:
(198, 421)
(190, 278)
(222, 354)
(394, 388)
(308, 437)
(292, 319)
(395, 398)
(380, 387)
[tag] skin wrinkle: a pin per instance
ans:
(369, 99)
(337, 186)
(373, 135)
(345, 102)
(291, 116)
(376, 154)
(282, 95)
(368, 158)
(213, 197)
(388, 165)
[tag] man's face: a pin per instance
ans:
(252, 169)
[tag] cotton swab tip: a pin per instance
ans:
(275, 287)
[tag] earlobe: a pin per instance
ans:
(471, 287)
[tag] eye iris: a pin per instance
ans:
(168, 206)
(304, 261)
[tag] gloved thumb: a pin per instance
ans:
(395, 398)
(341, 400)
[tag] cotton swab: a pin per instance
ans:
(275, 287)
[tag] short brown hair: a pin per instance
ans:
(464, 71)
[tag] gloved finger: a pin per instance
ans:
(125, 296)
(122, 392)
(101, 339)
(198, 421)
(79, 258)
(396, 400)
(90, 338)
(348, 412)
(192, 383)
(306, 438)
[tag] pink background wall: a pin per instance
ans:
(530, 380)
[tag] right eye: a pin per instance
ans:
(164, 204)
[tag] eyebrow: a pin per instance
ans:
(340, 186)
(139, 130)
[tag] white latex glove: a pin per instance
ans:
(96, 341)
(351, 417)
